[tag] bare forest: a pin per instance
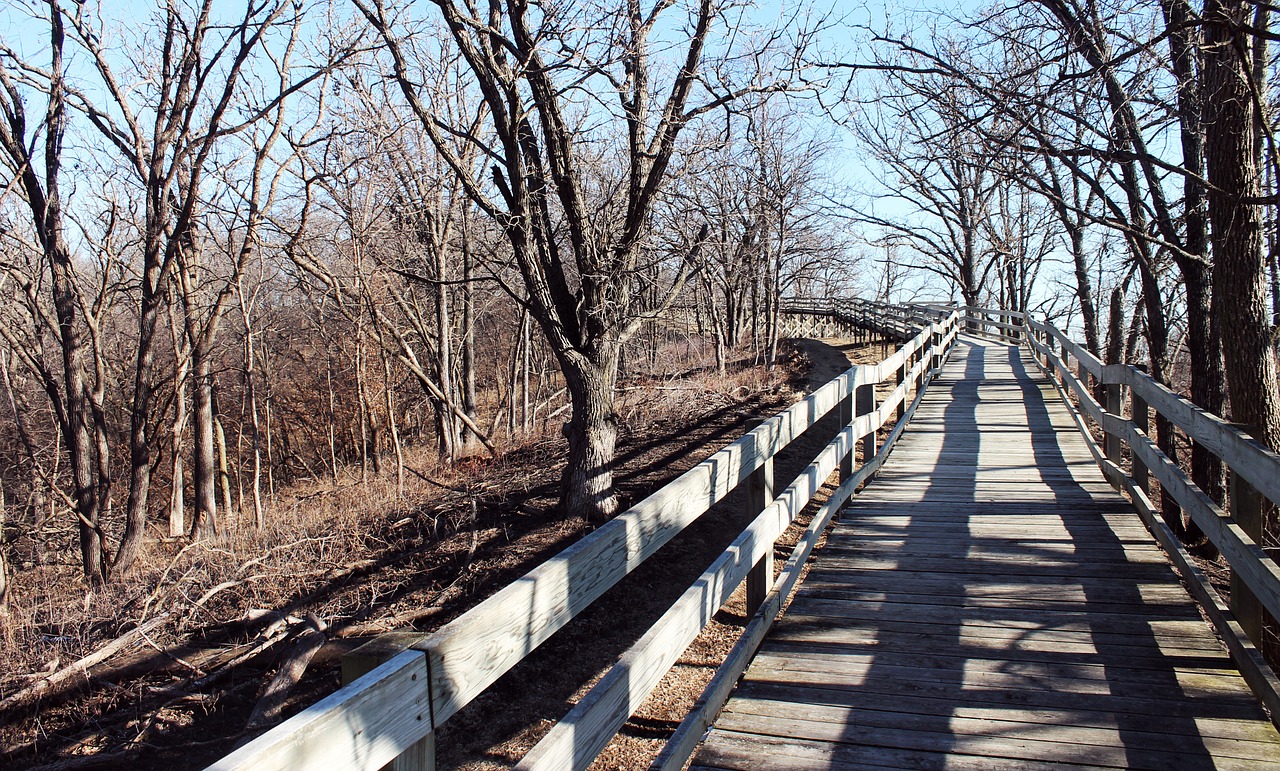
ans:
(321, 319)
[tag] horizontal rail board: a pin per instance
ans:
(364, 725)
(680, 747)
(1092, 364)
(1260, 573)
(1246, 457)
(577, 739)
(1246, 557)
(993, 312)
(1242, 453)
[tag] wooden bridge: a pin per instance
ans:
(998, 591)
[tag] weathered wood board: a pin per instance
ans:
(990, 602)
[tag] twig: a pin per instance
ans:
(225, 669)
(431, 481)
(176, 658)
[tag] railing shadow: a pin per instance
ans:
(1096, 543)
(838, 678)
(930, 627)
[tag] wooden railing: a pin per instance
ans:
(899, 322)
(1254, 474)
(390, 714)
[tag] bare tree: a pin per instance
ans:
(167, 131)
(579, 237)
(40, 179)
(938, 166)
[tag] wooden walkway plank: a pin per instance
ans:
(990, 602)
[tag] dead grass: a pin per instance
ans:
(365, 556)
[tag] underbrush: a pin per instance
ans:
(347, 557)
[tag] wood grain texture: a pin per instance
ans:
(364, 725)
(680, 747)
(990, 602)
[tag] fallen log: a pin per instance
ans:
(69, 676)
(267, 710)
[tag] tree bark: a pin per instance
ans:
(1239, 274)
(204, 467)
(1084, 287)
(4, 573)
(255, 422)
(592, 432)
(1203, 340)
(468, 338)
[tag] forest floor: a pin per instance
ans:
(200, 630)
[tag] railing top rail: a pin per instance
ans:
(1255, 576)
(1092, 364)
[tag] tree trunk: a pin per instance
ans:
(45, 204)
(143, 397)
(1158, 350)
(255, 424)
(332, 415)
(448, 427)
(363, 416)
(468, 342)
(1239, 275)
(1275, 284)
(1203, 339)
(1204, 344)
(224, 468)
(204, 467)
(177, 427)
(592, 431)
(177, 487)
(1115, 328)
(526, 414)
(389, 392)
(79, 443)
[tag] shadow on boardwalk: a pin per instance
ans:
(989, 602)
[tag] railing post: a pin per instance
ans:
(759, 495)
(935, 348)
(845, 416)
(1114, 405)
(900, 379)
(866, 404)
(1141, 417)
(368, 657)
(1248, 507)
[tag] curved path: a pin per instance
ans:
(989, 602)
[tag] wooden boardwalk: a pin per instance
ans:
(990, 602)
